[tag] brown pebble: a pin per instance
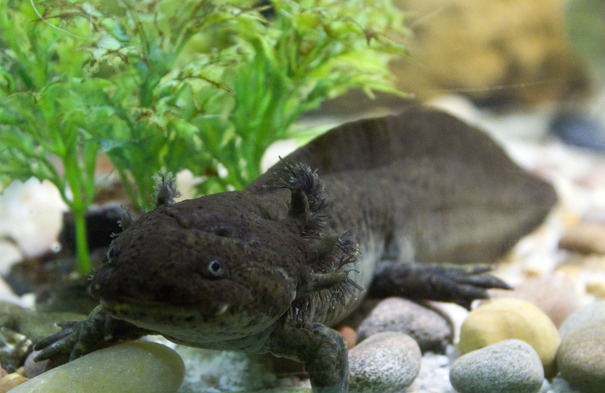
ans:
(556, 294)
(596, 288)
(349, 334)
(586, 238)
(10, 381)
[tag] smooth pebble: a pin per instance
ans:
(510, 366)
(143, 367)
(555, 294)
(504, 319)
(586, 238)
(428, 327)
(384, 363)
(581, 358)
(349, 334)
(10, 381)
(594, 312)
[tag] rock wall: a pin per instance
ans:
(494, 51)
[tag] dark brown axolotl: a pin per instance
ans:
(388, 207)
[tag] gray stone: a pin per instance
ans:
(428, 327)
(214, 370)
(384, 363)
(581, 357)
(140, 367)
(510, 366)
(594, 312)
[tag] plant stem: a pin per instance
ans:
(78, 206)
(81, 241)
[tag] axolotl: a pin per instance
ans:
(414, 205)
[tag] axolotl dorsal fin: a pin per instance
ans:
(416, 133)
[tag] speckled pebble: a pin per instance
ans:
(510, 366)
(594, 312)
(429, 328)
(384, 363)
(504, 319)
(140, 367)
(210, 370)
(10, 381)
(581, 358)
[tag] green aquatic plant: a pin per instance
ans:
(160, 85)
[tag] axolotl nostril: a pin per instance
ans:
(392, 206)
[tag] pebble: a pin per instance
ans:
(509, 366)
(580, 130)
(591, 313)
(581, 358)
(586, 238)
(504, 319)
(555, 294)
(384, 363)
(217, 371)
(596, 287)
(10, 381)
(349, 334)
(429, 328)
(143, 367)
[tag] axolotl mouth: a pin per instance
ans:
(187, 324)
(147, 314)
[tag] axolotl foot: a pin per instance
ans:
(77, 338)
(322, 351)
(460, 284)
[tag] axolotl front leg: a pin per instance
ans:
(320, 349)
(78, 338)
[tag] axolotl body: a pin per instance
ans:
(391, 206)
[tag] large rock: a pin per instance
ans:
(140, 367)
(384, 363)
(497, 50)
(510, 366)
(504, 319)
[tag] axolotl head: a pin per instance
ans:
(208, 269)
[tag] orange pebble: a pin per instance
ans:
(10, 381)
(349, 334)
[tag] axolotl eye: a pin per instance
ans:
(216, 268)
(112, 253)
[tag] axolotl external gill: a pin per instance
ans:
(392, 206)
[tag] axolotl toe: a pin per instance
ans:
(392, 206)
